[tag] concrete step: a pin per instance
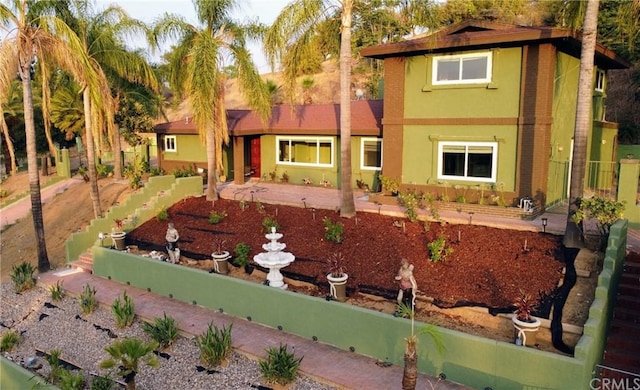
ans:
(625, 357)
(631, 267)
(625, 314)
(628, 302)
(630, 329)
(621, 341)
(83, 266)
(86, 257)
(632, 289)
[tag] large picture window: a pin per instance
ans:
(472, 161)
(170, 144)
(307, 151)
(462, 69)
(371, 154)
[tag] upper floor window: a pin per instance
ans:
(473, 161)
(170, 144)
(462, 69)
(308, 151)
(371, 153)
(600, 80)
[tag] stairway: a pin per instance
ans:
(84, 262)
(622, 351)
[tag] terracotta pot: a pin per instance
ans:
(525, 333)
(221, 263)
(338, 287)
(118, 240)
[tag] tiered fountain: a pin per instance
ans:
(274, 259)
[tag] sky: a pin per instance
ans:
(149, 10)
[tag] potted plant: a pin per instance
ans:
(525, 325)
(118, 234)
(242, 257)
(220, 258)
(337, 277)
(390, 185)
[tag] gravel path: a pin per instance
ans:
(47, 325)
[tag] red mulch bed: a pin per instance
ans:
(488, 266)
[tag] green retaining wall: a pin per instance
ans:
(468, 359)
(15, 377)
(158, 192)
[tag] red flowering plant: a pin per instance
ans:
(336, 265)
(525, 304)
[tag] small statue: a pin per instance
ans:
(408, 285)
(172, 238)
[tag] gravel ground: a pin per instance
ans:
(61, 325)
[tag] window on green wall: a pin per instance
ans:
(306, 151)
(600, 78)
(170, 144)
(462, 69)
(471, 161)
(371, 153)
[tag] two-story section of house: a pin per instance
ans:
(489, 108)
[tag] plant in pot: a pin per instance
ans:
(390, 185)
(118, 234)
(337, 277)
(220, 257)
(525, 325)
(242, 257)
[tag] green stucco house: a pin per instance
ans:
(300, 145)
(486, 108)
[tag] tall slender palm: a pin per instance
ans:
(289, 37)
(9, 105)
(32, 35)
(102, 36)
(573, 235)
(197, 72)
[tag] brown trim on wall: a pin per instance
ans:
(394, 74)
(238, 160)
(534, 134)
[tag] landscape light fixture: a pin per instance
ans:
(470, 217)
(544, 224)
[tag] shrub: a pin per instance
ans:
(438, 250)
(57, 292)
(4, 193)
(217, 216)
(68, 380)
(280, 366)
(123, 311)
(103, 170)
(9, 340)
(22, 276)
(411, 201)
(336, 265)
(156, 172)
(214, 345)
(163, 214)
(389, 184)
(524, 304)
(605, 211)
(88, 301)
(242, 254)
(333, 231)
(268, 223)
(163, 330)
(101, 383)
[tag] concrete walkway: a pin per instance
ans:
(21, 208)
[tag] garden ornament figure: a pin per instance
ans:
(408, 285)
(172, 238)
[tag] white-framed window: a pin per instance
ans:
(170, 144)
(471, 161)
(600, 80)
(371, 153)
(305, 151)
(470, 68)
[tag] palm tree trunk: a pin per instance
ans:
(32, 168)
(212, 193)
(91, 157)
(46, 99)
(347, 205)
(410, 373)
(117, 155)
(573, 235)
(7, 137)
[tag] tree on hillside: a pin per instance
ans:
(31, 36)
(197, 71)
(573, 234)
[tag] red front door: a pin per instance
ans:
(255, 157)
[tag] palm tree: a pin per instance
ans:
(410, 372)
(290, 37)
(573, 235)
(127, 354)
(32, 36)
(102, 36)
(197, 71)
(9, 105)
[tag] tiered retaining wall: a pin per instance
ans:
(158, 192)
(468, 359)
